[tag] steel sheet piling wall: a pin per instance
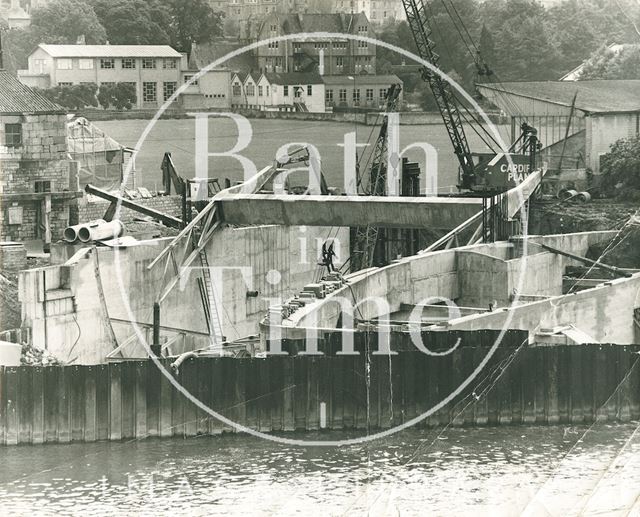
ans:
(519, 385)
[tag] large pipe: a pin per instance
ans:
(70, 233)
(101, 231)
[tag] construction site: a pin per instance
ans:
(260, 306)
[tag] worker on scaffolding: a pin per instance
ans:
(327, 257)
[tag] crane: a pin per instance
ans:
(366, 237)
(478, 172)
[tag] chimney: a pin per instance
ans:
(1, 57)
(81, 40)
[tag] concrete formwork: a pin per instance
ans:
(76, 309)
(488, 273)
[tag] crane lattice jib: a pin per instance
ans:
(366, 237)
(442, 91)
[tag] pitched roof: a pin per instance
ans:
(362, 80)
(203, 54)
(602, 96)
(295, 78)
(109, 50)
(16, 97)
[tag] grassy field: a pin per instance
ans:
(178, 137)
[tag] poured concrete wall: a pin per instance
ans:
(63, 306)
(605, 313)
(472, 275)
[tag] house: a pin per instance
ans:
(37, 184)
(154, 70)
(310, 54)
(605, 111)
(302, 92)
(299, 91)
(358, 91)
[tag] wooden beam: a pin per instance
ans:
(167, 220)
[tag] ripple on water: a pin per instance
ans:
(487, 470)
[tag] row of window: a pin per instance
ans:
(355, 95)
(236, 90)
(320, 45)
(109, 63)
(149, 89)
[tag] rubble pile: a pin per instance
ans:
(33, 356)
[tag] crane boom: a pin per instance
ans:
(420, 26)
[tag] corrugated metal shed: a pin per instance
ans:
(16, 97)
(604, 96)
(90, 51)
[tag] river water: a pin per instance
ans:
(484, 471)
(267, 136)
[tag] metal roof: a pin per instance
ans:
(109, 50)
(16, 97)
(602, 96)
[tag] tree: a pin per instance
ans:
(487, 46)
(193, 21)
(118, 95)
(77, 96)
(607, 64)
(620, 169)
(598, 64)
(64, 21)
(134, 22)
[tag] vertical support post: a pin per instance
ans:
(156, 346)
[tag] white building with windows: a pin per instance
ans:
(155, 70)
(302, 92)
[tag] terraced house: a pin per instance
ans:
(155, 70)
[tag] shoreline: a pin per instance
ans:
(371, 118)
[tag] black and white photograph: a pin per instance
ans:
(320, 258)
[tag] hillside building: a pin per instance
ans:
(37, 184)
(155, 70)
(327, 56)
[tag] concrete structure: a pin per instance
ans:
(154, 69)
(209, 91)
(494, 285)
(84, 289)
(304, 55)
(391, 212)
(36, 184)
(606, 111)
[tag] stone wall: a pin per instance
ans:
(86, 210)
(19, 176)
(13, 256)
(28, 228)
(44, 137)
